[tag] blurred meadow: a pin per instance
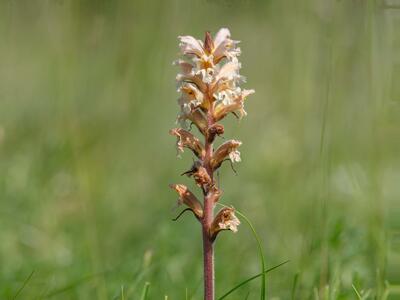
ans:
(87, 96)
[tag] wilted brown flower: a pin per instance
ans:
(188, 198)
(188, 140)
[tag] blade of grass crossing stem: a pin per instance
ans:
(250, 279)
(357, 293)
(260, 252)
(145, 291)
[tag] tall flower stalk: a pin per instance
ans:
(209, 85)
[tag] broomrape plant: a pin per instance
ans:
(209, 85)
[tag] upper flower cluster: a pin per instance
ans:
(209, 78)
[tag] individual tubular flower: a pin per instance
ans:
(231, 101)
(224, 220)
(188, 140)
(188, 198)
(226, 150)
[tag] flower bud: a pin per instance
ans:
(214, 130)
(188, 198)
(208, 43)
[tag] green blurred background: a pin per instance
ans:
(87, 96)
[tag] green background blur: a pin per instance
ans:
(87, 96)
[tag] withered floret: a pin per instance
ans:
(187, 140)
(188, 198)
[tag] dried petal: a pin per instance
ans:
(227, 149)
(188, 198)
(188, 140)
(224, 46)
(186, 67)
(224, 220)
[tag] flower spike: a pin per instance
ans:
(209, 85)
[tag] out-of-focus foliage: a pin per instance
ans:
(87, 96)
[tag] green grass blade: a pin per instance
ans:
(250, 279)
(295, 280)
(23, 285)
(357, 293)
(122, 293)
(145, 291)
(260, 253)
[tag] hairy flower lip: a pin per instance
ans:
(226, 150)
(188, 198)
(224, 220)
(185, 139)
(231, 104)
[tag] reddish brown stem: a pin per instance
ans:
(208, 249)
(208, 256)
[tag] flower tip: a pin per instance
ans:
(208, 42)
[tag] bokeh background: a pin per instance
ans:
(87, 96)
